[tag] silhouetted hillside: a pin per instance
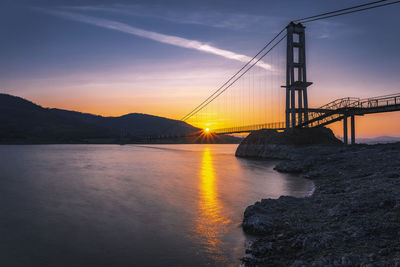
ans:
(22, 121)
(134, 123)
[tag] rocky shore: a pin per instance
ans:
(353, 217)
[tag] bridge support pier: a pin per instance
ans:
(345, 140)
(353, 132)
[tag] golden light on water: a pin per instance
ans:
(211, 222)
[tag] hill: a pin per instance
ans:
(22, 121)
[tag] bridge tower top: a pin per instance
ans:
(296, 75)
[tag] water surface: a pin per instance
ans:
(110, 205)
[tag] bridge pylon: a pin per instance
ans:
(296, 76)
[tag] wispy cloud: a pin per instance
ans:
(205, 17)
(155, 36)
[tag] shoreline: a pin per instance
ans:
(351, 219)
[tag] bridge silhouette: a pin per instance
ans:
(254, 97)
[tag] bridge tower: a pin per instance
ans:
(296, 76)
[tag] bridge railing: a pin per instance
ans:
(334, 105)
(381, 101)
(340, 103)
(336, 109)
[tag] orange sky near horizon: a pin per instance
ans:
(165, 60)
(371, 125)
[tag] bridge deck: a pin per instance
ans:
(332, 112)
(250, 128)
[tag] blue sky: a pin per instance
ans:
(60, 54)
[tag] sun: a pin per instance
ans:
(205, 136)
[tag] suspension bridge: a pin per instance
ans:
(271, 90)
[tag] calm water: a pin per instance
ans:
(109, 205)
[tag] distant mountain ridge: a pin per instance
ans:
(26, 122)
(378, 140)
(138, 124)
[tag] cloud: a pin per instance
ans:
(205, 17)
(159, 37)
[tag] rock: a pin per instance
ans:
(352, 219)
(346, 261)
(299, 263)
(387, 204)
(284, 145)
(293, 166)
(392, 175)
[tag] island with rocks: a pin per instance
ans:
(351, 219)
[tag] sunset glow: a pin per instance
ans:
(94, 62)
(199, 133)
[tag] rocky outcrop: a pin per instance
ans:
(352, 219)
(272, 144)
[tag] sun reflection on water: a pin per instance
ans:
(211, 223)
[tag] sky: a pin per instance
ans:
(163, 57)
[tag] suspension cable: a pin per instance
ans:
(349, 10)
(222, 86)
(227, 87)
